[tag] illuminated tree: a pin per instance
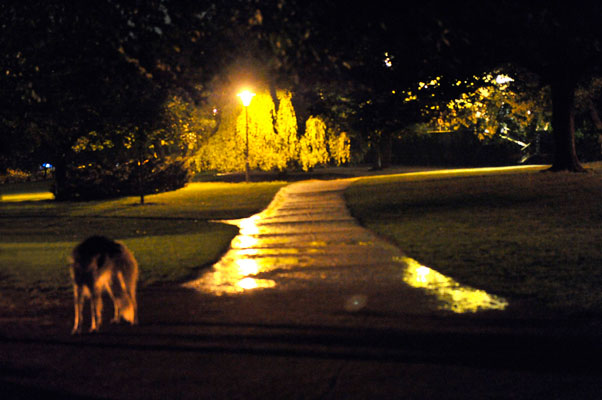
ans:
(339, 147)
(559, 41)
(130, 160)
(286, 127)
(224, 150)
(313, 146)
(268, 150)
(72, 69)
(489, 105)
(264, 143)
(185, 126)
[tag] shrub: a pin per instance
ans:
(96, 181)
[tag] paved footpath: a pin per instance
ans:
(308, 304)
(307, 241)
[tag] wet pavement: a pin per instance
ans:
(307, 304)
(307, 239)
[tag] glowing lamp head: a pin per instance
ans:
(246, 97)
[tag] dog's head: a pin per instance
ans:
(83, 271)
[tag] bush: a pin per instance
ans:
(15, 176)
(96, 181)
(460, 148)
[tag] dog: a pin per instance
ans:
(99, 264)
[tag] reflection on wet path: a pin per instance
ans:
(306, 239)
(453, 296)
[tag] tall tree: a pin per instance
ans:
(560, 41)
(313, 145)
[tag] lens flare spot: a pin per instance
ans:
(356, 303)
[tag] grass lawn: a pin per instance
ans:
(171, 235)
(528, 235)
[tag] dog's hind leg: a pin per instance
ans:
(127, 311)
(96, 310)
(132, 292)
(115, 300)
(78, 302)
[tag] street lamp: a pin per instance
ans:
(246, 97)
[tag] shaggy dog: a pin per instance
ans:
(100, 264)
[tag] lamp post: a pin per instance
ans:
(246, 97)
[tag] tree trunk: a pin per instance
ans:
(563, 124)
(60, 178)
(377, 161)
(386, 149)
(140, 183)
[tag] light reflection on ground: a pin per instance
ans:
(27, 197)
(236, 271)
(453, 296)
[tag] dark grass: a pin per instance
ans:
(534, 236)
(172, 236)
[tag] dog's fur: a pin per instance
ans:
(100, 264)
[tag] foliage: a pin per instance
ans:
(98, 181)
(185, 126)
(132, 160)
(14, 175)
(459, 148)
(313, 144)
(264, 144)
(273, 139)
(286, 127)
(72, 69)
(491, 104)
(225, 149)
(339, 147)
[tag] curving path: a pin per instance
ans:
(306, 240)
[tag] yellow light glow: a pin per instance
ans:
(388, 60)
(248, 226)
(246, 97)
(502, 79)
(472, 171)
(26, 197)
(234, 273)
(251, 283)
(244, 242)
(248, 283)
(247, 266)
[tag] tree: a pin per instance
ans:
(313, 145)
(265, 144)
(560, 41)
(69, 75)
(286, 127)
(273, 140)
(491, 105)
(224, 150)
(339, 147)
(392, 50)
(72, 69)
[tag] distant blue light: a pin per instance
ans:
(47, 165)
